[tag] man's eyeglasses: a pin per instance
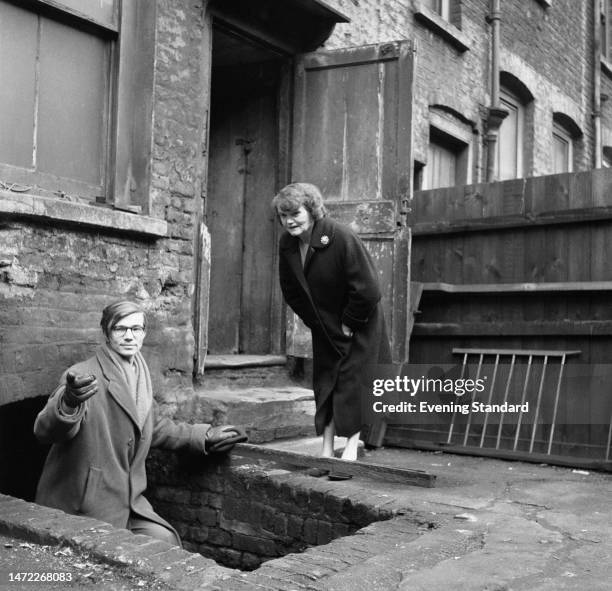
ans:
(121, 331)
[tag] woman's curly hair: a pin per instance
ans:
(290, 198)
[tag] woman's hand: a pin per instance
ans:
(348, 332)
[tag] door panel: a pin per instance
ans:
(242, 179)
(225, 221)
(352, 138)
(259, 272)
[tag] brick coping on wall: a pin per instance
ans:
(189, 571)
(117, 547)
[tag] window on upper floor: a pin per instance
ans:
(441, 7)
(441, 166)
(444, 18)
(448, 161)
(563, 152)
(510, 138)
(66, 112)
(449, 10)
(567, 145)
(606, 160)
(604, 17)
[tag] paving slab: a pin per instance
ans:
(523, 526)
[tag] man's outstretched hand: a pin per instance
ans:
(223, 438)
(79, 389)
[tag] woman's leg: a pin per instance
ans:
(351, 447)
(327, 449)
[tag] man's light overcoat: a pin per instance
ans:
(96, 465)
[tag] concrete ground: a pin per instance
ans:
(537, 527)
(488, 525)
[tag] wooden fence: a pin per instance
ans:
(521, 264)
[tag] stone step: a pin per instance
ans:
(265, 413)
(242, 361)
(227, 372)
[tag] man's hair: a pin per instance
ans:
(290, 198)
(116, 311)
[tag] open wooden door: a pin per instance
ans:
(353, 139)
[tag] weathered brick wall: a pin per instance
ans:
(181, 107)
(241, 517)
(548, 48)
(55, 280)
(54, 283)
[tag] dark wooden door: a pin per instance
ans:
(241, 183)
(352, 138)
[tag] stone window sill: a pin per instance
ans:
(62, 211)
(437, 24)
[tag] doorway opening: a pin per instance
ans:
(243, 176)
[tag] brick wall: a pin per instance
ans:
(549, 49)
(239, 516)
(55, 279)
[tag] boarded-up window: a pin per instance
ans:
(54, 113)
(75, 109)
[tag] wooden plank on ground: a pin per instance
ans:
(400, 440)
(238, 361)
(356, 468)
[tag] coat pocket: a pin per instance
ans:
(90, 491)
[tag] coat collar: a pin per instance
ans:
(117, 387)
(323, 234)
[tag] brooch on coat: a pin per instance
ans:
(324, 240)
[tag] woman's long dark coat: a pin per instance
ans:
(337, 285)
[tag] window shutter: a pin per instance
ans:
(134, 112)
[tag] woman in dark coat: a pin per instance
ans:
(328, 278)
(101, 421)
